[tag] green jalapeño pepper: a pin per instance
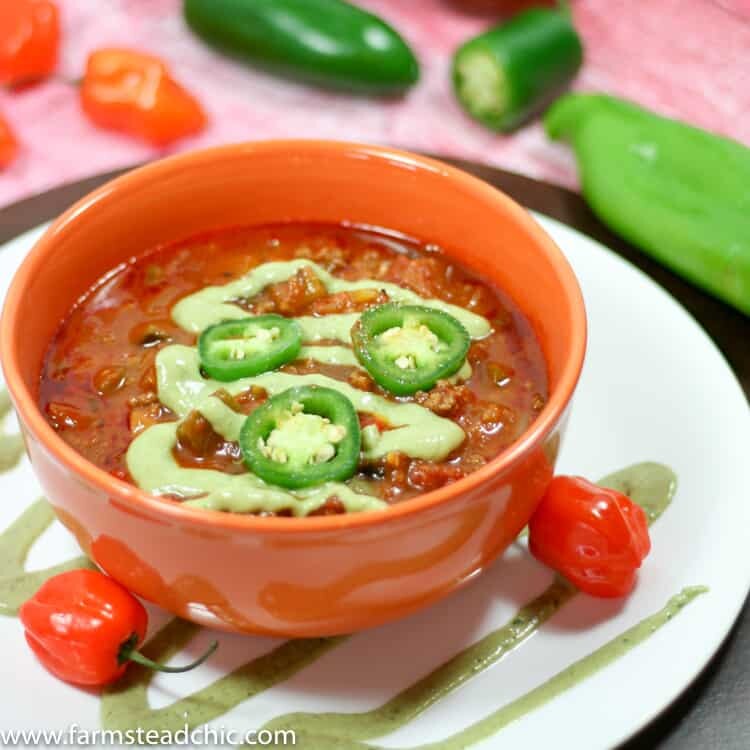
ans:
(328, 42)
(302, 437)
(246, 347)
(407, 348)
(506, 75)
(679, 193)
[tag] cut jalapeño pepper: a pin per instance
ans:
(246, 347)
(407, 348)
(507, 74)
(302, 437)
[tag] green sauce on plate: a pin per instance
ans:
(326, 731)
(125, 705)
(16, 585)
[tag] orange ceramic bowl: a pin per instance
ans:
(286, 576)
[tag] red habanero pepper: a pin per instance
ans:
(595, 537)
(134, 93)
(8, 144)
(29, 40)
(85, 628)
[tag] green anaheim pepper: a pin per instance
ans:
(679, 193)
(509, 73)
(408, 348)
(302, 437)
(328, 42)
(242, 348)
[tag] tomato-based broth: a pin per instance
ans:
(124, 382)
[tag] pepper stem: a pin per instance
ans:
(128, 653)
(564, 7)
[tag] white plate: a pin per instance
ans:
(654, 388)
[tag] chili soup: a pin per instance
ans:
(292, 370)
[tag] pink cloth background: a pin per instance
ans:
(685, 58)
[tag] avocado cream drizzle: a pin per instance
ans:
(16, 585)
(419, 433)
(11, 446)
(155, 470)
(327, 731)
(125, 704)
(182, 388)
(213, 303)
(651, 485)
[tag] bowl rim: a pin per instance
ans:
(33, 419)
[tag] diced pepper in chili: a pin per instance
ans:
(302, 437)
(8, 144)
(85, 628)
(29, 40)
(134, 93)
(595, 537)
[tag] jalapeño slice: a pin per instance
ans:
(242, 348)
(302, 437)
(408, 348)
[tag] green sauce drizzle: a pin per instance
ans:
(651, 485)
(125, 705)
(17, 585)
(325, 731)
(419, 433)
(213, 304)
(11, 446)
(567, 678)
(155, 470)
(181, 387)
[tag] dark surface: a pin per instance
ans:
(714, 712)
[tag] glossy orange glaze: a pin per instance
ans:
(97, 385)
(289, 576)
